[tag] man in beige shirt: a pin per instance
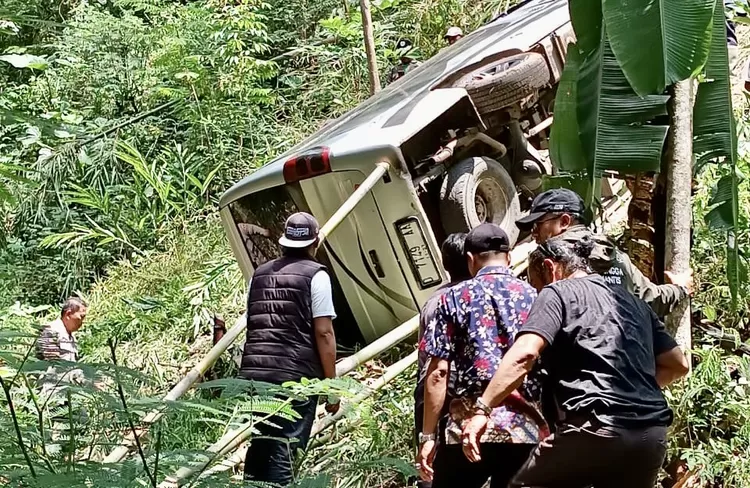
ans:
(57, 342)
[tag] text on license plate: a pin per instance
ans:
(421, 260)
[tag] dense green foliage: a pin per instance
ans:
(137, 113)
(121, 123)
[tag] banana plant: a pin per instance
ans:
(615, 78)
(715, 138)
(611, 105)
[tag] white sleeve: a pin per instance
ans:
(322, 295)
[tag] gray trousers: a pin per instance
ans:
(599, 457)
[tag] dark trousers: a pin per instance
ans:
(270, 457)
(499, 462)
(602, 457)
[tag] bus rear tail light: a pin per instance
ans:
(314, 162)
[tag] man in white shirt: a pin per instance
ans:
(289, 337)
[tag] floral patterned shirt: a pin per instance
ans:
(476, 324)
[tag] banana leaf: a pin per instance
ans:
(586, 18)
(659, 42)
(615, 127)
(600, 122)
(715, 137)
(714, 127)
(566, 150)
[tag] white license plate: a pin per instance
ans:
(421, 260)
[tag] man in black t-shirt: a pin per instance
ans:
(608, 356)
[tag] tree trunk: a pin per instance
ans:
(641, 222)
(372, 60)
(678, 186)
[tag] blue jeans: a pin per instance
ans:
(270, 457)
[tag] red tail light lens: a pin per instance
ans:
(312, 163)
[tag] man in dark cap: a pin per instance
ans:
(476, 323)
(560, 212)
(289, 337)
(405, 50)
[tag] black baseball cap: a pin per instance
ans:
(487, 237)
(557, 200)
(300, 231)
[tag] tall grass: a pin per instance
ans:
(160, 306)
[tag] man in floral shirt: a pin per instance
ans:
(476, 324)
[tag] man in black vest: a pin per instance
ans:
(289, 337)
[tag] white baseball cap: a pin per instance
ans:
(454, 32)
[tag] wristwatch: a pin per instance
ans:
(426, 437)
(482, 407)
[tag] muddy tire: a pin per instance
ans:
(478, 190)
(506, 81)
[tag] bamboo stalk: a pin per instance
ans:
(397, 335)
(321, 424)
(226, 464)
(121, 451)
(369, 38)
(388, 375)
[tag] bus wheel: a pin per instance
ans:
(479, 190)
(504, 82)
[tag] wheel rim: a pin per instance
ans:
(490, 201)
(501, 67)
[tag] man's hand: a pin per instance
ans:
(471, 435)
(425, 458)
(681, 279)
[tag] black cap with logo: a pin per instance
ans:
(404, 44)
(557, 200)
(300, 231)
(487, 237)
